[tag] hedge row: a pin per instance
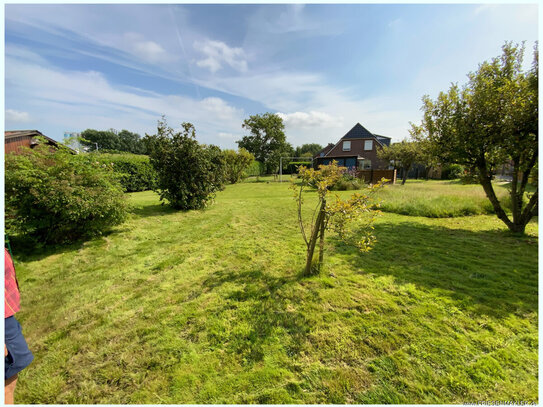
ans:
(135, 171)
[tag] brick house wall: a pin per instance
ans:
(357, 150)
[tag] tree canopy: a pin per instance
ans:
(307, 150)
(112, 140)
(490, 121)
(267, 141)
(403, 154)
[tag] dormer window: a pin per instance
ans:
(346, 146)
(368, 145)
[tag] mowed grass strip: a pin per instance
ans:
(210, 307)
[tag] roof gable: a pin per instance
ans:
(383, 139)
(358, 131)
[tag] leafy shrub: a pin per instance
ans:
(346, 184)
(188, 173)
(135, 171)
(58, 197)
(292, 167)
(470, 176)
(237, 162)
(255, 169)
(452, 171)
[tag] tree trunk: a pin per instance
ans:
(404, 175)
(516, 200)
(321, 245)
(313, 240)
(517, 226)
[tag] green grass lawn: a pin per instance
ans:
(210, 307)
(440, 199)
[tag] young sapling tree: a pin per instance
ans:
(332, 213)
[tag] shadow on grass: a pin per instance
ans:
(489, 272)
(32, 250)
(266, 301)
(153, 210)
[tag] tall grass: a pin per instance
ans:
(439, 199)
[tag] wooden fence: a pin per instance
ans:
(374, 176)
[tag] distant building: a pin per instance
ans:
(14, 139)
(71, 139)
(356, 149)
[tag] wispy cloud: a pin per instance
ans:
(303, 120)
(217, 54)
(17, 116)
(83, 99)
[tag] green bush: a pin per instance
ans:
(452, 171)
(135, 171)
(255, 169)
(57, 197)
(237, 162)
(189, 174)
(292, 167)
(346, 184)
(470, 176)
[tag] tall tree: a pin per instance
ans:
(267, 141)
(403, 154)
(100, 139)
(130, 142)
(113, 140)
(492, 120)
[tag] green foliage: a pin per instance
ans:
(332, 213)
(135, 171)
(292, 167)
(267, 141)
(113, 141)
(470, 176)
(452, 171)
(255, 169)
(189, 174)
(307, 150)
(347, 184)
(57, 197)
(403, 154)
(237, 164)
(490, 121)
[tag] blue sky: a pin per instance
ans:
(321, 67)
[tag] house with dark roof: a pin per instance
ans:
(356, 149)
(14, 139)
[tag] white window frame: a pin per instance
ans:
(366, 145)
(347, 145)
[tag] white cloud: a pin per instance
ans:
(218, 53)
(147, 50)
(219, 108)
(17, 116)
(79, 100)
(312, 119)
